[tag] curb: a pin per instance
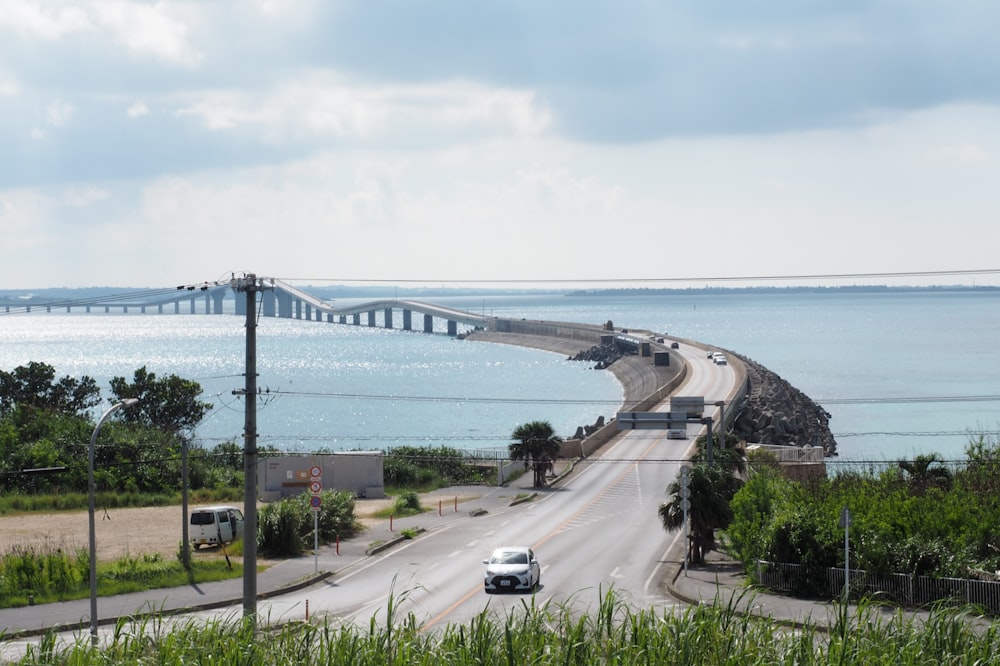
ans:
(208, 605)
(386, 545)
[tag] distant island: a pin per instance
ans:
(63, 295)
(858, 289)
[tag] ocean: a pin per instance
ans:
(902, 373)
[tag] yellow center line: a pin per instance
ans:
(433, 621)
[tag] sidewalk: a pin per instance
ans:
(285, 576)
(719, 580)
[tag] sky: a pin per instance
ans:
(567, 142)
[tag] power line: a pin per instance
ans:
(743, 278)
(901, 400)
(558, 401)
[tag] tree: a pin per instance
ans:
(712, 487)
(537, 443)
(926, 471)
(170, 404)
(34, 386)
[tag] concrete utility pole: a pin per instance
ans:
(91, 507)
(249, 285)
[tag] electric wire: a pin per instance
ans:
(743, 278)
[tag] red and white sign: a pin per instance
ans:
(315, 471)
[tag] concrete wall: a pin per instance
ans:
(359, 472)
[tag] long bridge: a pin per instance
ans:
(281, 299)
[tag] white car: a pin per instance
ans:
(512, 568)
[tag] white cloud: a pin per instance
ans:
(321, 106)
(148, 29)
(58, 113)
(966, 153)
(46, 21)
(82, 197)
(137, 109)
(25, 217)
(143, 28)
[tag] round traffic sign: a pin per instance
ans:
(685, 505)
(685, 492)
(315, 471)
(315, 501)
(315, 487)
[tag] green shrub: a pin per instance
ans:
(280, 527)
(406, 503)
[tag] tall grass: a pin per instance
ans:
(544, 634)
(34, 575)
(15, 503)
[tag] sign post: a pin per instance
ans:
(845, 522)
(315, 487)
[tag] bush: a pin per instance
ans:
(280, 528)
(283, 527)
(406, 503)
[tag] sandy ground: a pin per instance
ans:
(136, 532)
(118, 532)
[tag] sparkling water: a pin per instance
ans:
(901, 373)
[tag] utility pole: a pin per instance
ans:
(249, 285)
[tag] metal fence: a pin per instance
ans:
(903, 589)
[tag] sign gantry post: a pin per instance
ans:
(685, 507)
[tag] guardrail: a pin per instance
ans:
(906, 589)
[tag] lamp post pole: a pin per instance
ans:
(127, 402)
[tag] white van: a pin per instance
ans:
(215, 525)
(677, 433)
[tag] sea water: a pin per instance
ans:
(901, 372)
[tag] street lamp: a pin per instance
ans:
(127, 402)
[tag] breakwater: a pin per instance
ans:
(773, 412)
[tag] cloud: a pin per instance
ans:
(137, 109)
(58, 114)
(322, 107)
(147, 29)
(49, 22)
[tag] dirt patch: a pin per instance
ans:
(127, 532)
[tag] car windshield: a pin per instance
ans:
(510, 557)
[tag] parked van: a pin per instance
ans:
(215, 525)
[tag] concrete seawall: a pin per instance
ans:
(644, 384)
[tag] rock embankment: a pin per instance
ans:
(602, 355)
(779, 414)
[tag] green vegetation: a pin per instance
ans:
(914, 517)
(285, 528)
(425, 468)
(711, 487)
(537, 443)
(407, 504)
(35, 576)
(614, 633)
(46, 427)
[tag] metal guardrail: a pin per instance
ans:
(905, 589)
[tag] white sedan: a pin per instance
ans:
(512, 568)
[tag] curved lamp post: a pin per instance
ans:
(127, 402)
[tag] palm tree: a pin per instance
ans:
(926, 471)
(537, 443)
(712, 487)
